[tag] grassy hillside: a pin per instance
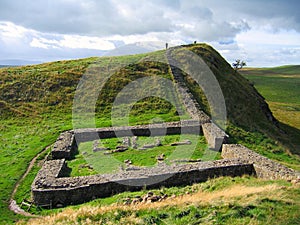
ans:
(280, 87)
(36, 105)
(250, 121)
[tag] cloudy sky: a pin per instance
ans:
(263, 33)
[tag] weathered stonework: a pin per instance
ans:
(51, 189)
(264, 167)
(188, 99)
(214, 136)
(63, 146)
(182, 127)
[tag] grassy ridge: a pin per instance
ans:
(247, 112)
(36, 105)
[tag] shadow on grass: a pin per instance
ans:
(290, 138)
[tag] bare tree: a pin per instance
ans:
(238, 64)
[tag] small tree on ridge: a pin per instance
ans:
(238, 64)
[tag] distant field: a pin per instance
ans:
(281, 88)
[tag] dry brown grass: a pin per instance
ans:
(282, 112)
(226, 196)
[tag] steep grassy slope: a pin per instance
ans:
(250, 121)
(36, 105)
(236, 90)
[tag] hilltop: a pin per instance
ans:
(36, 105)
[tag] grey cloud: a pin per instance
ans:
(279, 14)
(84, 17)
(217, 31)
(103, 18)
(197, 12)
(179, 20)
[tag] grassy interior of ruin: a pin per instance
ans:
(88, 162)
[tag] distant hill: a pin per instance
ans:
(17, 62)
(280, 70)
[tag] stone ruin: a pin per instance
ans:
(52, 188)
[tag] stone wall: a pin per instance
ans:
(51, 189)
(214, 136)
(264, 167)
(160, 129)
(64, 145)
(188, 100)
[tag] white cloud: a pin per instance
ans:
(85, 42)
(37, 43)
(268, 37)
(10, 30)
(262, 32)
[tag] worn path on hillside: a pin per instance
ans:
(13, 206)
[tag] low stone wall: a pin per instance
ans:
(264, 167)
(188, 100)
(181, 127)
(51, 169)
(64, 146)
(60, 191)
(67, 142)
(214, 136)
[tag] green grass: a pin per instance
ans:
(277, 87)
(102, 163)
(283, 70)
(19, 145)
